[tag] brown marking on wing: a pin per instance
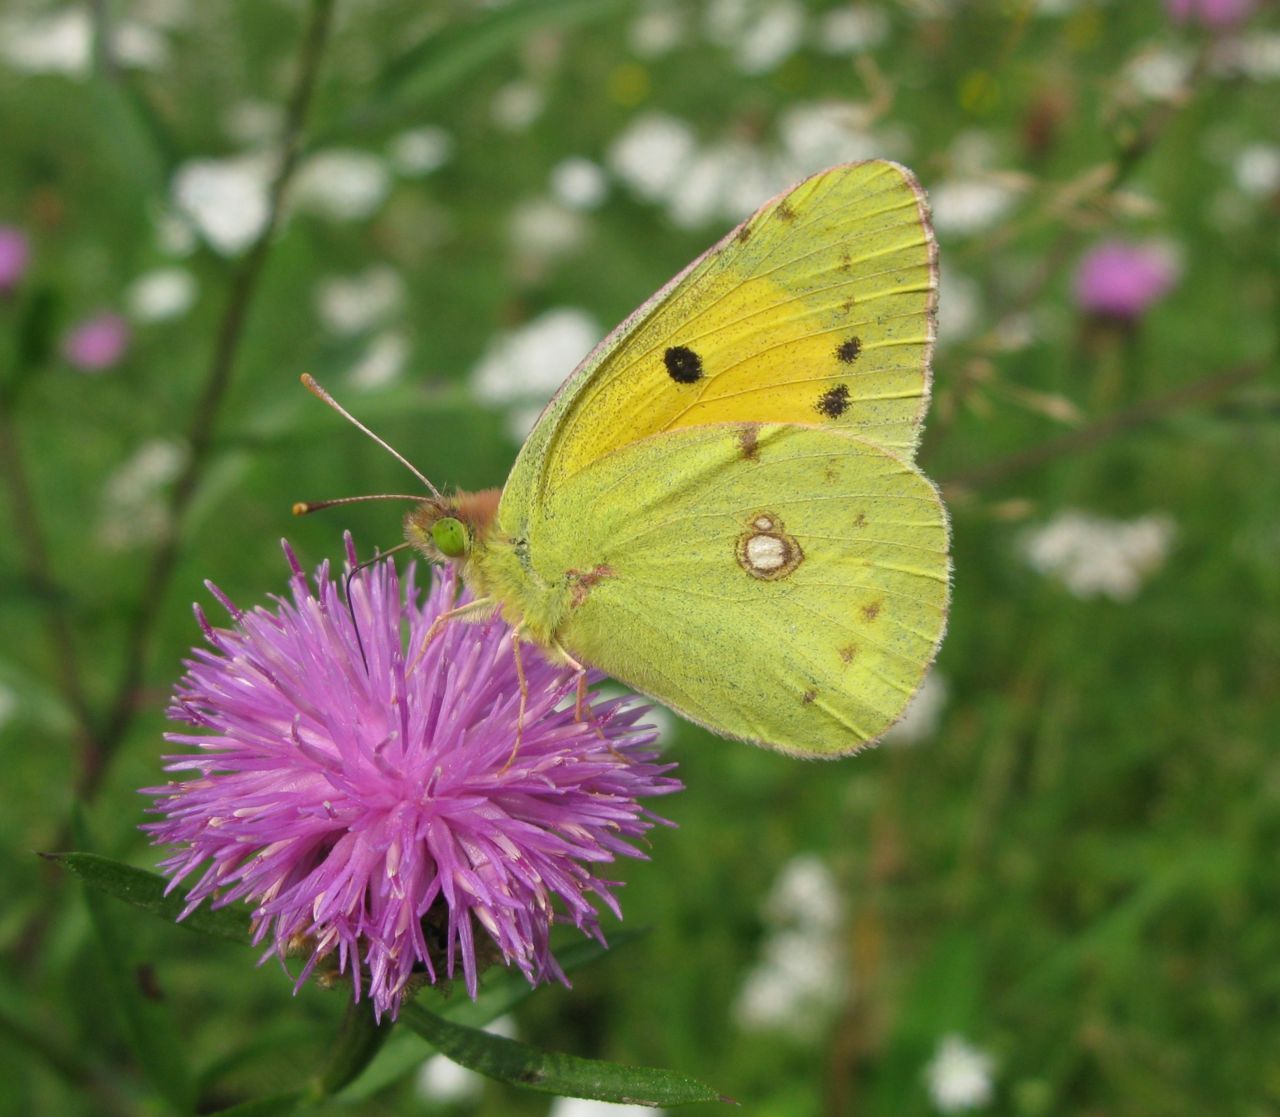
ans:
(808, 696)
(871, 610)
(848, 652)
(583, 583)
(749, 441)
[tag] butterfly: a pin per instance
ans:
(720, 507)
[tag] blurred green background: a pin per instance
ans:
(1054, 891)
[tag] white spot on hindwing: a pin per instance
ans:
(765, 550)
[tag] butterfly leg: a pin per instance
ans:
(524, 696)
(580, 699)
(478, 605)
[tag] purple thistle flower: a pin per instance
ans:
(15, 255)
(1210, 13)
(380, 814)
(1120, 280)
(98, 343)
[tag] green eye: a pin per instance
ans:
(450, 536)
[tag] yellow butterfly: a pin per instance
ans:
(719, 507)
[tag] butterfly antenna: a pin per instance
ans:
(302, 507)
(346, 589)
(309, 382)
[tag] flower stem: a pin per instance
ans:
(358, 1040)
(200, 434)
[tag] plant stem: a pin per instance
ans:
(1148, 411)
(38, 571)
(200, 435)
(358, 1040)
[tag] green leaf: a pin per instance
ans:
(499, 994)
(442, 60)
(147, 1020)
(288, 1102)
(521, 1065)
(146, 891)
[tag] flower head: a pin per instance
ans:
(15, 254)
(1120, 280)
(98, 343)
(369, 798)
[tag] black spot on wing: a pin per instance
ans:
(849, 349)
(834, 402)
(684, 366)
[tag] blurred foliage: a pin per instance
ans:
(1074, 869)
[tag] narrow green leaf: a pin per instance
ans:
(445, 58)
(289, 1102)
(499, 994)
(521, 1065)
(147, 1020)
(146, 891)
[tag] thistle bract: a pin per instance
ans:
(370, 799)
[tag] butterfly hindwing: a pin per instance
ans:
(779, 583)
(817, 310)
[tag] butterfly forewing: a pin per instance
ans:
(818, 309)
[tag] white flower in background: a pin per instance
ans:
(801, 977)
(49, 43)
(586, 1107)
(706, 189)
(1096, 557)
(344, 184)
(420, 151)
(1258, 55)
(441, 1081)
(352, 304)
(226, 200)
(521, 369)
(821, 134)
(651, 154)
(160, 294)
(920, 719)
(657, 30)
(959, 306)
(1056, 7)
(517, 105)
(542, 230)
(964, 206)
(61, 42)
(1257, 169)
(134, 512)
(1159, 73)
(805, 895)
(253, 123)
(762, 34)
(852, 28)
(382, 362)
(959, 1076)
(579, 183)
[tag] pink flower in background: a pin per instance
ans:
(370, 800)
(1118, 279)
(1210, 13)
(97, 343)
(15, 255)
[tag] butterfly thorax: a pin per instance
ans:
(492, 564)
